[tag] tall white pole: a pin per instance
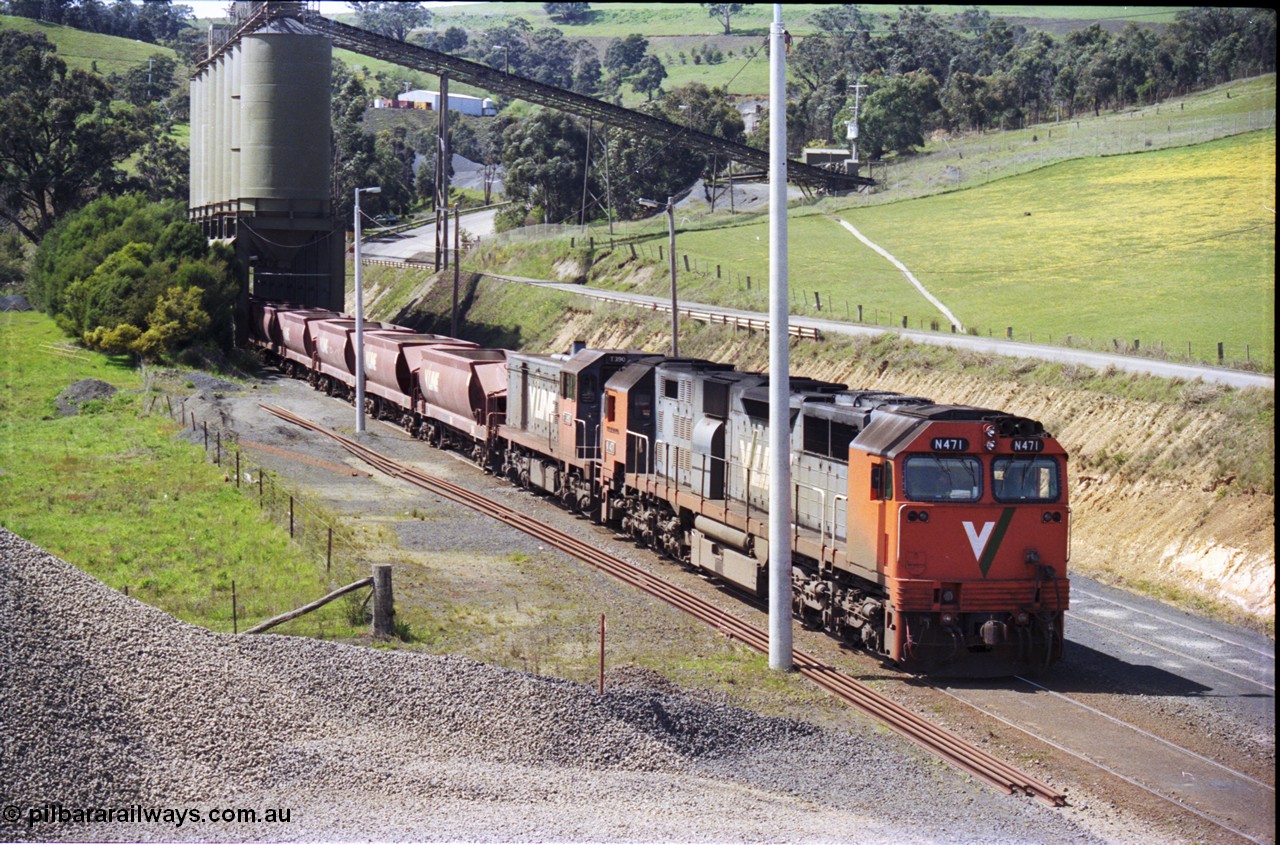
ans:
(359, 328)
(779, 361)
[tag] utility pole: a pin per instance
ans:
(671, 255)
(851, 126)
(779, 360)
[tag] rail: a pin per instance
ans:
(939, 741)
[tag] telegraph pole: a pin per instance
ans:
(779, 360)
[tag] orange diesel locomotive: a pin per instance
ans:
(934, 535)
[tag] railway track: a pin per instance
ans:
(930, 737)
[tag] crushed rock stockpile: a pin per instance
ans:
(109, 703)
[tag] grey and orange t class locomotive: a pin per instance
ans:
(935, 536)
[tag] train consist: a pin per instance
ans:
(935, 536)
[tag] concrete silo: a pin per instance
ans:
(262, 106)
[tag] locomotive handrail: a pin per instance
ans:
(583, 451)
(642, 448)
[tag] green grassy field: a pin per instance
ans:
(115, 492)
(1164, 246)
(89, 50)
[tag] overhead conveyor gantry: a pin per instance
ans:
(495, 81)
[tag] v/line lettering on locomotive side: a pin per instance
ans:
(543, 402)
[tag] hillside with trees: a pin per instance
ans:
(70, 136)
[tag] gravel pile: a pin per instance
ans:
(85, 390)
(106, 702)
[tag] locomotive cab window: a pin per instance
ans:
(588, 391)
(567, 385)
(942, 478)
(1016, 478)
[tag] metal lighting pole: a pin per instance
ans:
(671, 249)
(506, 57)
(360, 318)
(779, 361)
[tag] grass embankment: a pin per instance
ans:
(104, 54)
(115, 492)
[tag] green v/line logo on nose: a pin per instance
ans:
(986, 542)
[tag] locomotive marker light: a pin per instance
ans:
(360, 316)
(671, 250)
(779, 360)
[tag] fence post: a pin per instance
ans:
(383, 602)
(686, 263)
(904, 321)
(660, 252)
(717, 271)
(1008, 332)
(328, 555)
(259, 486)
(1220, 357)
(206, 438)
(817, 300)
(748, 283)
(290, 514)
(218, 454)
(237, 467)
(632, 247)
(601, 654)
(235, 616)
(859, 313)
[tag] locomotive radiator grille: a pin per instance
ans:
(981, 596)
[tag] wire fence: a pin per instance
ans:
(753, 295)
(330, 546)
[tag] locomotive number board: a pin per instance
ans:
(949, 444)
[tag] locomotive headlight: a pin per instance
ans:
(948, 596)
(912, 516)
(924, 516)
(1023, 618)
(991, 445)
(989, 432)
(948, 619)
(1046, 517)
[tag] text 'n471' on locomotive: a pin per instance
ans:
(935, 536)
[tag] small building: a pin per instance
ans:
(461, 103)
(818, 156)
